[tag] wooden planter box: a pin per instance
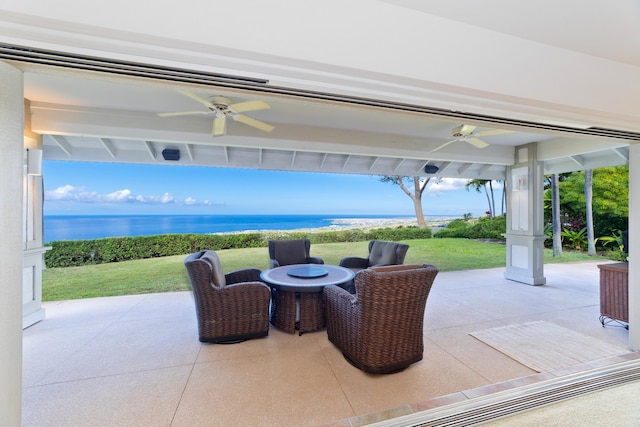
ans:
(614, 292)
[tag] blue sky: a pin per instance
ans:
(79, 188)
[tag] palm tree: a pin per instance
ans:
(504, 197)
(588, 197)
(481, 184)
(555, 216)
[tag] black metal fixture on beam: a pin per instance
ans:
(431, 169)
(171, 154)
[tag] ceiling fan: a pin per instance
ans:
(467, 133)
(222, 108)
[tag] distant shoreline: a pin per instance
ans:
(89, 227)
(364, 224)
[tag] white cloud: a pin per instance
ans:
(446, 184)
(61, 193)
(117, 196)
(80, 195)
(69, 192)
(436, 187)
(456, 184)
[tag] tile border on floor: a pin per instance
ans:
(469, 397)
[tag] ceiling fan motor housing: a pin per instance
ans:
(221, 105)
(221, 101)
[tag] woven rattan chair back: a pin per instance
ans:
(234, 312)
(379, 330)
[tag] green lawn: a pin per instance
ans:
(168, 273)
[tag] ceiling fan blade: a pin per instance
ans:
(444, 145)
(219, 125)
(242, 107)
(253, 122)
(476, 142)
(182, 113)
(492, 132)
(199, 99)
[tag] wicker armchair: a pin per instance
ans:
(289, 252)
(380, 253)
(379, 330)
(230, 307)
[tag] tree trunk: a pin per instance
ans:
(486, 193)
(416, 196)
(504, 197)
(493, 200)
(417, 204)
(555, 215)
(588, 197)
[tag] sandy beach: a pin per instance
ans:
(364, 224)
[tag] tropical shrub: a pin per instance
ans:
(575, 239)
(399, 233)
(610, 199)
(616, 255)
(548, 232)
(83, 252)
(616, 238)
(483, 228)
(459, 224)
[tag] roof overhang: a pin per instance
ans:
(94, 93)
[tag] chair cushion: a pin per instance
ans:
(291, 252)
(217, 275)
(383, 253)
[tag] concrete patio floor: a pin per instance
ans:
(136, 360)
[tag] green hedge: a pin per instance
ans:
(483, 228)
(70, 253)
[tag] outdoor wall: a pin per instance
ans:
(11, 168)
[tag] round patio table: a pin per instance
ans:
(296, 294)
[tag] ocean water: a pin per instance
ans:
(83, 227)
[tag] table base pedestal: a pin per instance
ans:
(297, 310)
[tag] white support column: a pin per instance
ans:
(11, 170)
(634, 246)
(33, 250)
(525, 214)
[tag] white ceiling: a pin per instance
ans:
(601, 29)
(336, 109)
